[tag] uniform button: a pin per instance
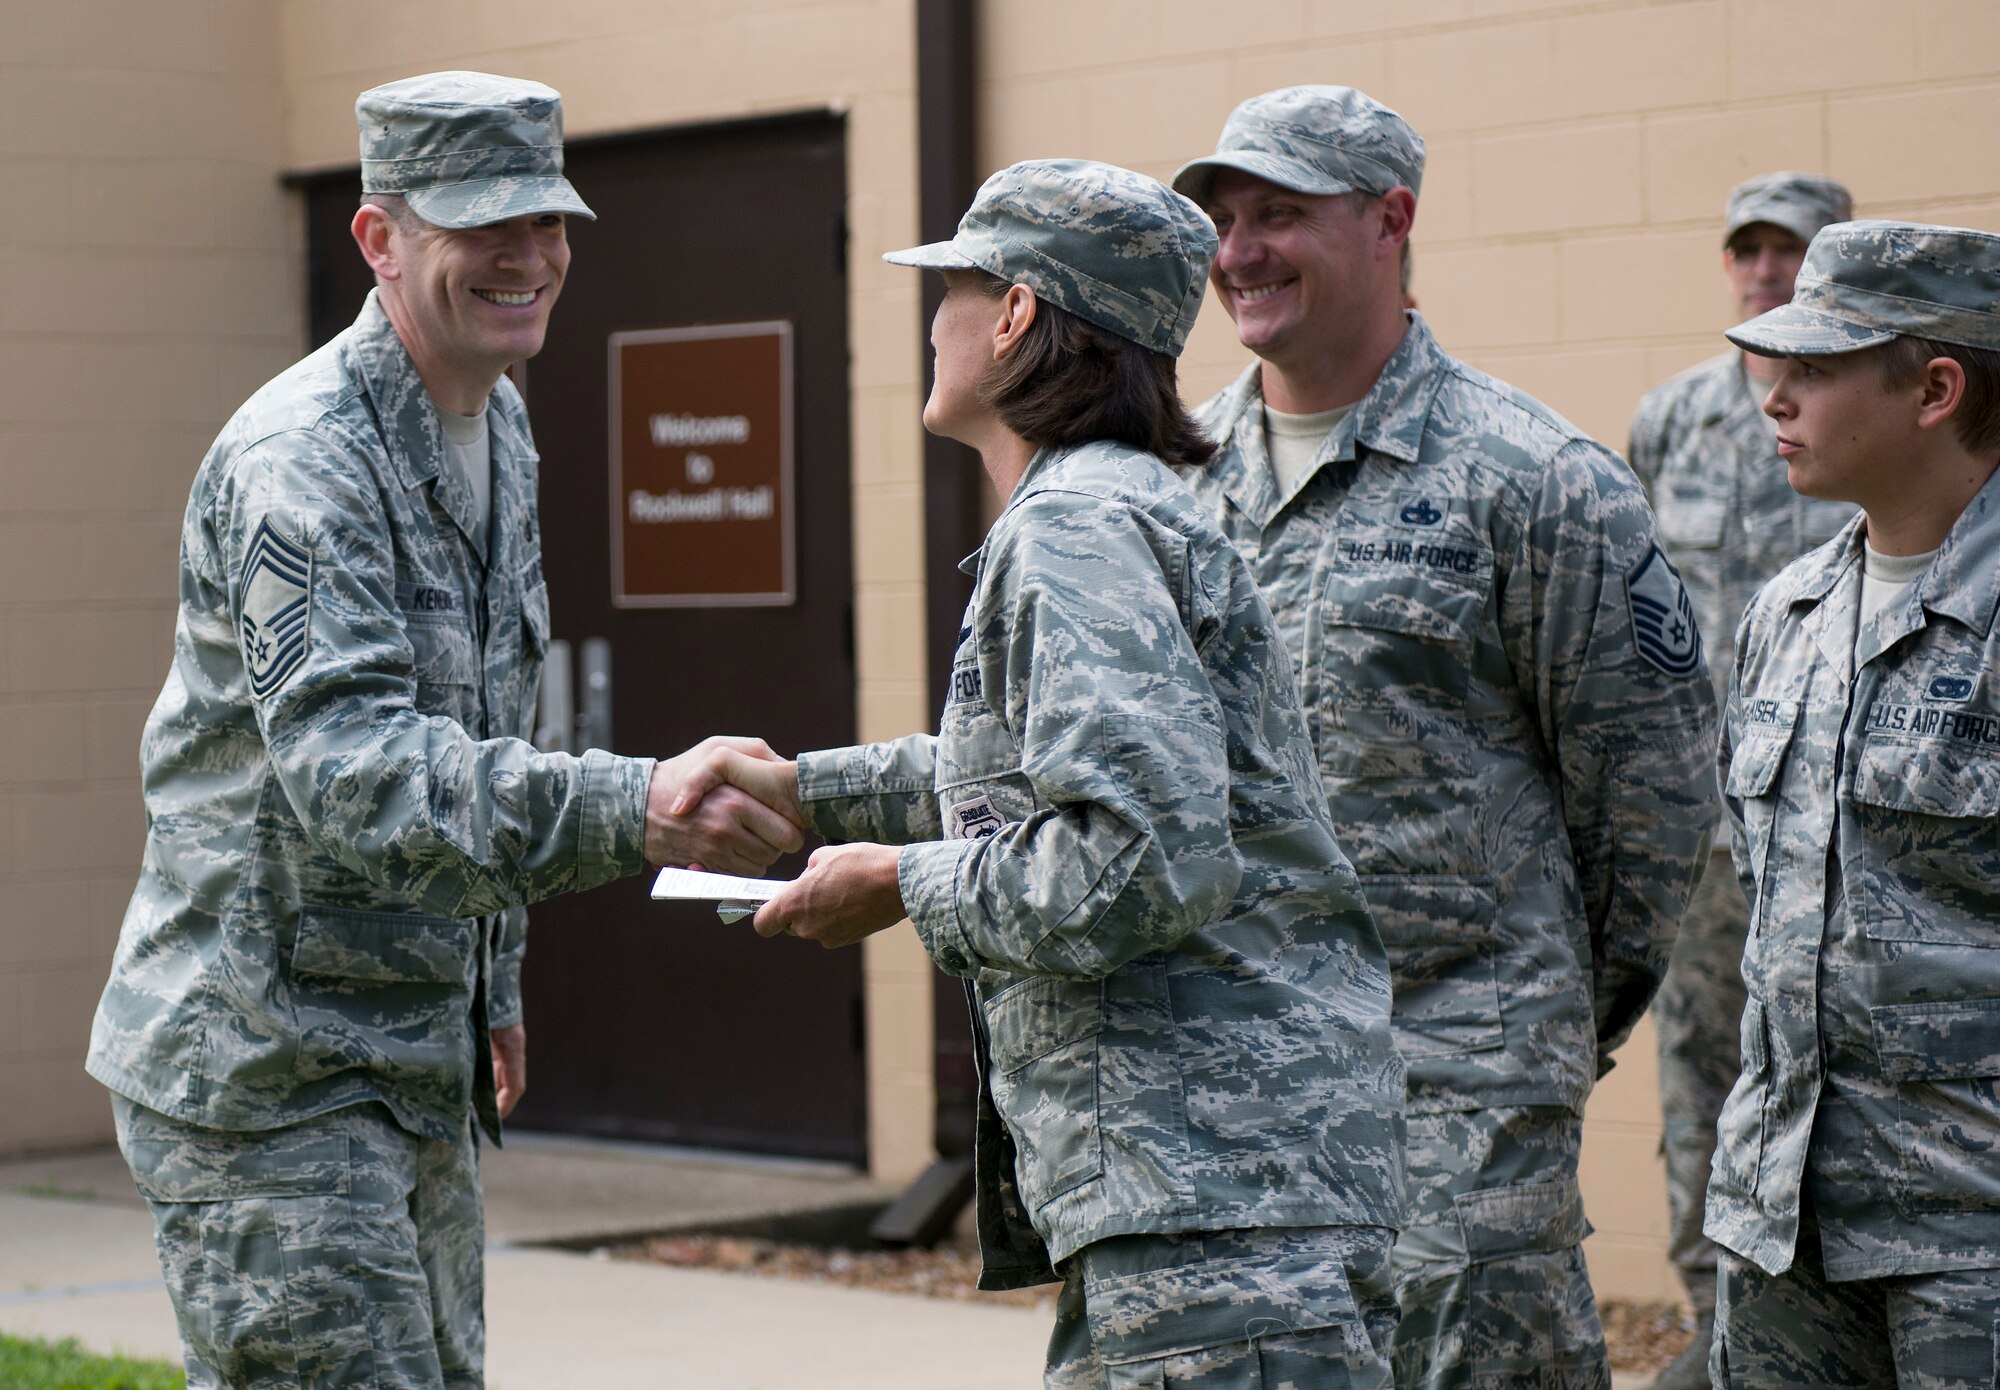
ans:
(951, 959)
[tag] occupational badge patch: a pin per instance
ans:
(1662, 617)
(972, 820)
(275, 601)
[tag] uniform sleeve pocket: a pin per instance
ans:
(383, 948)
(1937, 1041)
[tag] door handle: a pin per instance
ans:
(555, 706)
(593, 724)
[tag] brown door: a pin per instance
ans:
(646, 1020)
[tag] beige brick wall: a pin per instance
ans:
(1568, 235)
(149, 283)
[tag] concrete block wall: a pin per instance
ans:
(1568, 237)
(150, 283)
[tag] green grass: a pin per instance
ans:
(27, 1364)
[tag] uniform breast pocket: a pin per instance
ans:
(1396, 649)
(1752, 779)
(446, 668)
(1692, 523)
(1043, 1035)
(1929, 813)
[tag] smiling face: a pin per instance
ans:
(1762, 262)
(1294, 270)
(469, 303)
(1844, 435)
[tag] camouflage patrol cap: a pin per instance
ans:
(466, 149)
(1864, 283)
(1317, 140)
(1800, 203)
(1115, 248)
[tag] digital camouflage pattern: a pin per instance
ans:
(1492, 1279)
(290, 1255)
(1518, 769)
(1800, 203)
(1318, 140)
(1729, 520)
(327, 913)
(1864, 283)
(1862, 771)
(1181, 1004)
(1115, 248)
(1800, 1331)
(1227, 1310)
(466, 149)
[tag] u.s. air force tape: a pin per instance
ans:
(275, 601)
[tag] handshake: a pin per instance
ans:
(731, 805)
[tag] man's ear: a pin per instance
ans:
(1943, 389)
(1399, 215)
(375, 233)
(1017, 314)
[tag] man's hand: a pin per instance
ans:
(846, 893)
(699, 817)
(510, 1066)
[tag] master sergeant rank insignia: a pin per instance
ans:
(276, 599)
(1662, 615)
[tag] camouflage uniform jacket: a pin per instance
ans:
(342, 816)
(1513, 744)
(1863, 788)
(1181, 1005)
(1728, 518)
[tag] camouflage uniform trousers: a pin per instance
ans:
(1699, 1015)
(1489, 1266)
(1306, 1308)
(340, 1251)
(1801, 1331)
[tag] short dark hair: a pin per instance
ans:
(1902, 361)
(398, 207)
(1069, 382)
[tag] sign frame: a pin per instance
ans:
(787, 593)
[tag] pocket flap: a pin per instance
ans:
(1035, 1017)
(1931, 777)
(1754, 762)
(1937, 1042)
(1213, 1303)
(1526, 1218)
(383, 947)
(193, 1168)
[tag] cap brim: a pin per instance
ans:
(936, 255)
(482, 202)
(1792, 330)
(1196, 175)
(1803, 227)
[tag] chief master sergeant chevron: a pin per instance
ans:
(1855, 1192)
(317, 985)
(1506, 692)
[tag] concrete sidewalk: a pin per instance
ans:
(76, 1260)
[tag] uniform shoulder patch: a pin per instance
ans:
(275, 600)
(1663, 623)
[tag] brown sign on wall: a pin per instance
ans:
(701, 466)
